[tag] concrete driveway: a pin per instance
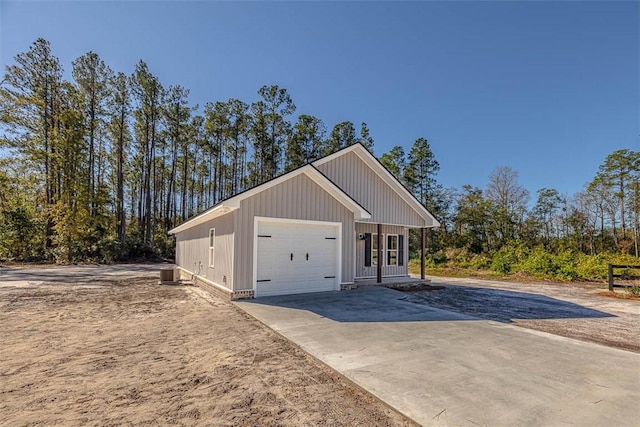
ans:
(444, 368)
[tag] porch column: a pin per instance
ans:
(379, 275)
(422, 251)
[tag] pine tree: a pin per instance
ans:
(395, 161)
(342, 135)
(365, 138)
(32, 89)
(92, 76)
(306, 143)
(119, 108)
(277, 106)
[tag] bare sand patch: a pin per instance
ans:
(132, 352)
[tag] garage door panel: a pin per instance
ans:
(314, 266)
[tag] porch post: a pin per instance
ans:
(422, 251)
(379, 275)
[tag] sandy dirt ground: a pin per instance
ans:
(577, 311)
(131, 352)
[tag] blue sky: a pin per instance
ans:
(547, 88)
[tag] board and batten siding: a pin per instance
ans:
(296, 198)
(192, 250)
(387, 270)
(358, 180)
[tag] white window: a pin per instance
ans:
(212, 246)
(374, 249)
(392, 249)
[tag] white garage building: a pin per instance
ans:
(318, 228)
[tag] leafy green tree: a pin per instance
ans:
(73, 223)
(395, 161)
(365, 137)
(32, 90)
(21, 227)
(546, 207)
(216, 123)
(619, 169)
(470, 220)
(509, 201)
(92, 76)
(343, 135)
(306, 143)
(420, 172)
(147, 93)
(277, 107)
(237, 134)
(176, 116)
(633, 206)
(119, 110)
(582, 224)
(260, 141)
(419, 176)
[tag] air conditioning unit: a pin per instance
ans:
(167, 275)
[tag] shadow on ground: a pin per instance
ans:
(450, 303)
(502, 305)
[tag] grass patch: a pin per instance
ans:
(517, 263)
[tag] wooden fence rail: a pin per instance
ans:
(611, 275)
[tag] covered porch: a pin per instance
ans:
(382, 252)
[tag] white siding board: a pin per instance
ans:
(358, 180)
(387, 270)
(192, 248)
(297, 198)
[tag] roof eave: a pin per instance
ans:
(215, 212)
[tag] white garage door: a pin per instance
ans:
(296, 257)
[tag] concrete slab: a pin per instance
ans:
(445, 368)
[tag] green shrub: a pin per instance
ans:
(592, 267)
(539, 263)
(508, 256)
(457, 257)
(501, 263)
(437, 259)
(568, 265)
(480, 262)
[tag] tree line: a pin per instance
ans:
(102, 166)
(501, 228)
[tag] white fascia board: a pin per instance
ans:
(315, 175)
(230, 204)
(214, 212)
(337, 154)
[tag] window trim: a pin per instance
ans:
(389, 251)
(374, 238)
(212, 247)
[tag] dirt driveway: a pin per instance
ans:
(76, 274)
(131, 352)
(570, 310)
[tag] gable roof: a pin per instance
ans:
(375, 165)
(309, 170)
